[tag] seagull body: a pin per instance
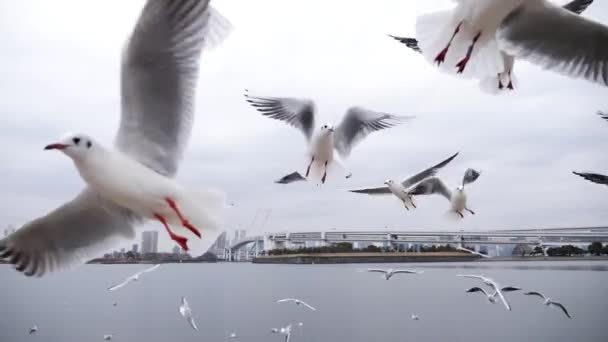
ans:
(415, 317)
(297, 302)
(458, 198)
(186, 312)
(158, 79)
(232, 336)
(129, 279)
(549, 302)
(388, 274)
(492, 296)
(505, 80)
(472, 252)
(115, 303)
(33, 329)
(491, 283)
(400, 189)
(473, 37)
(108, 337)
(357, 124)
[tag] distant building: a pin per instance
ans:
(220, 244)
(135, 248)
(122, 251)
(176, 250)
(149, 242)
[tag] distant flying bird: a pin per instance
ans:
(415, 317)
(115, 303)
(593, 177)
(283, 331)
(389, 273)
(158, 79)
(290, 178)
(458, 199)
(232, 336)
(300, 113)
(186, 312)
(548, 302)
(472, 252)
(300, 324)
(504, 80)
(134, 277)
(297, 302)
(33, 329)
(108, 337)
(602, 115)
(492, 296)
(490, 282)
(400, 189)
(474, 38)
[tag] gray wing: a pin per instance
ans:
(510, 288)
(477, 289)
(358, 123)
(559, 305)
(383, 190)
(470, 175)
(299, 113)
(577, 6)
(290, 178)
(538, 294)
(71, 234)
(411, 43)
(602, 115)
(593, 177)
(119, 285)
(431, 186)
(431, 171)
(158, 79)
(574, 45)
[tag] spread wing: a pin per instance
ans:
(411, 43)
(291, 178)
(602, 115)
(538, 294)
(286, 300)
(376, 270)
(577, 6)
(407, 271)
(119, 285)
(150, 269)
(574, 45)
(308, 306)
(559, 305)
(502, 298)
(593, 177)
(477, 289)
(470, 176)
(360, 122)
(299, 113)
(510, 288)
(431, 186)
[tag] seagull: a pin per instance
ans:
(291, 178)
(300, 324)
(458, 199)
(492, 296)
(297, 301)
(283, 331)
(33, 329)
(357, 123)
(108, 337)
(388, 274)
(548, 302)
(232, 336)
(504, 80)
(415, 317)
(134, 181)
(602, 115)
(593, 177)
(400, 189)
(490, 282)
(472, 252)
(475, 34)
(131, 278)
(185, 311)
(115, 303)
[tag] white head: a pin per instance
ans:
(327, 128)
(75, 146)
(389, 182)
(460, 188)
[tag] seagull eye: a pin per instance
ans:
(89, 144)
(76, 140)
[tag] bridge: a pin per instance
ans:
(541, 236)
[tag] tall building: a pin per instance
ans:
(135, 248)
(149, 242)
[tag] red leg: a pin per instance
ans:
(500, 86)
(309, 165)
(510, 85)
(441, 55)
(185, 222)
(463, 62)
(324, 173)
(181, 241)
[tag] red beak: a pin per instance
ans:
(55, 147)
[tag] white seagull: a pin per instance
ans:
(232, 336)
(33, 329)
(297, 302)
(458, 198)
(504, 80)
(108, 337)
(400, 189)
(415, 317)
(134, 181)
(489, 282)
(184, 310)
(388, 274)
(283, 331)
(548, 301)
(134, 277)
(357, 124)
(460, 248)
(477, 35)
(492, 296)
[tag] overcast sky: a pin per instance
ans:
(59, 72)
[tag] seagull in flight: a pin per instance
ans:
(33, 329)
(505, 80)
(388, 274)
(159, 71)
(108, 337)
(460, 248)
(400, 189)
(232, 336)
(186, 312)
(491, 283)
(492, 296)
(357, 123)
(548, 302)
(134, 277)
(297, 302)
(458, 199)
(415, 317)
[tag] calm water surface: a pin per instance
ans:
(74, 306)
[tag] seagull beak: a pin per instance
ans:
(55, 146)
(331, 129)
